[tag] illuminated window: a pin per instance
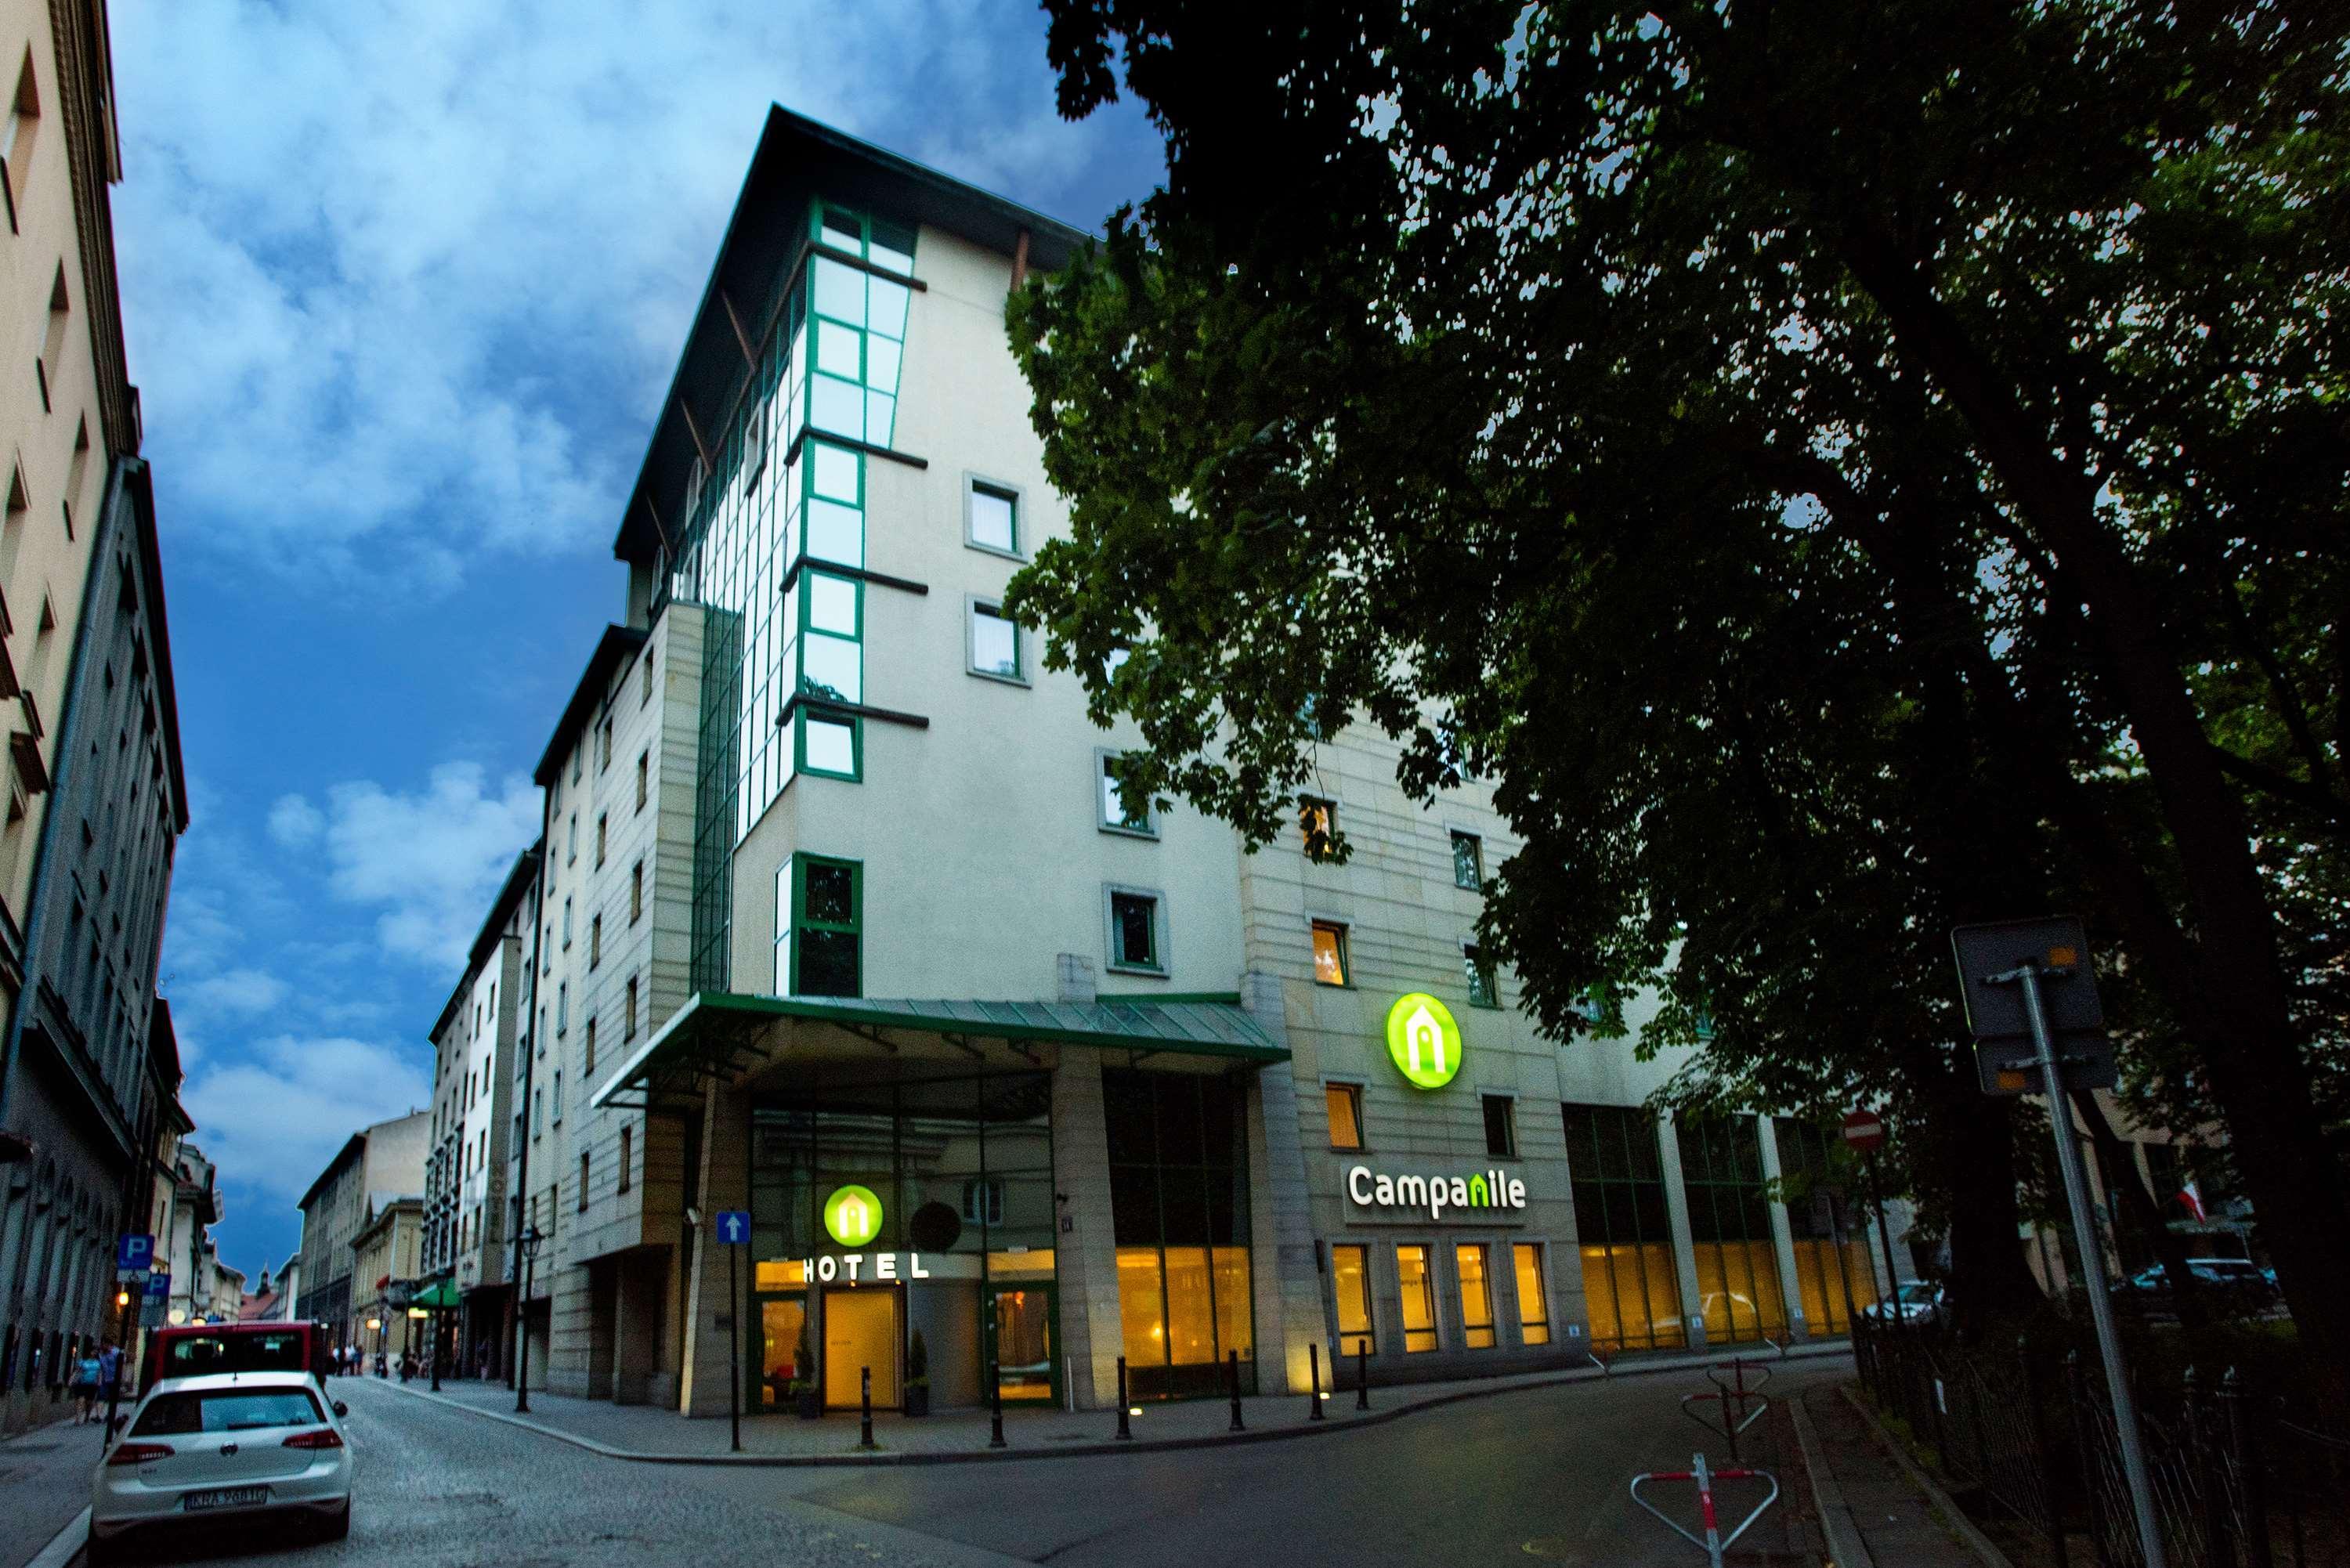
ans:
(1350, 1277)
(1345, 1101)
(1330, 953)
(1318, 819)
(1467, 861)
(1730, 1222)
(1533, 1296)
(1476, 1295)
(1631, 1290)
(1419, 1299)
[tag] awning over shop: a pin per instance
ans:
(441, 1295)
(724, 1032)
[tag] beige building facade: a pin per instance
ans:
(387, 1255)
(375, 1166)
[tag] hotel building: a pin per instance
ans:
(857, 992)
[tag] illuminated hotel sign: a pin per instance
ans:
(1422, 1040)
(853, 1215)
(1473, 1197)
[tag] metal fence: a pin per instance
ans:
(2029, 1433)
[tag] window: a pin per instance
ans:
(991, 517)
(555, 1096)
(829, 650)
(562, 1007)
(595, 940)
(994, 649)
(645, 679)
(601, 819)
(1319, 820)
(820, 910)
(1501, 1126)
(1350, 1277)
(571, 840)
(583, 1182)
(636, 892)
(1737, 1260)
(1533, 1296)
(1467, 861)
(644, 776)
(587, 1050)
(1419, 1293)
(566, 920)
(1179, 1198)
(1479, 970)
(537, 1111)
(604, 746)
(1330, 966)
(1136, 939)
(621, 1177)
(1476, 1295)
(1345, 1103)
(1114, 817)
(983, 1200)
(1631, 1290)
(830, 745)
(629, 1018)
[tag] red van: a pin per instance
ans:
(191, 1350)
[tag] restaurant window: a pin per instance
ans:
(1467, 861)
(1180, 1222)
(1345, 1103)
(1729, 1221)
(1330, 962)
(1484, 991)
(1501, 1126)
(1350, 1277)
(1135, 933)
(1833, 1274)
(1419, 1292)
(1317, 820)
(1533, 1295)
(1630, 1291)
(1476, 1294)
(820, 910)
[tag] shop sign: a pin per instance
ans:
(1474, 1196)
(1422, 1040)
(853, 1215)
(861, 1268)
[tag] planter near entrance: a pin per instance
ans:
(805, 1390)
(811, 1401)
(917, 1376)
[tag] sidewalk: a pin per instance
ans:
(654, 1436)
(44, 1486)
(1874, 1512)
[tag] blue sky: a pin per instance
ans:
(402, 285)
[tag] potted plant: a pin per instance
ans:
(803, 1385)
(917, 1376)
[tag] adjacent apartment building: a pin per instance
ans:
(96, 796)
(375, 1167)
(843, 927)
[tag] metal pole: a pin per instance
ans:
(1363, 1372)
(1844, 1269)
(1891, 1300)
(122, 1360)
(1125, 1428)
(522, 1335)
(734, 1363)
(436, 1338)
(863, 1405)
(1235, 1381)
(995, 1404)
(2092, 1269)
(1314, 1368)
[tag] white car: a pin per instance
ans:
(231, 1445)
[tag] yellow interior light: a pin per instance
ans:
(2061, 957)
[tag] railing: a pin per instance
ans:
(2029, 1433)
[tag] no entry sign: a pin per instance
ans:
(1864, 1131)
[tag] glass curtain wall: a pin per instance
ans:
(1729, 1221)
(1833, 1273)
(1630, 1287)
(754, 544)
(1179, 1200)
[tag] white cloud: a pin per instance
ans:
(235, 992)
(432, 860)
(294, 821)
(274, 1118)
(404, 281)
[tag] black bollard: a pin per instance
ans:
(995, 1406)
(865, 1402)
(1363, 1372)
(1125, 1431)
(1313, 1370)
(1234, 1380)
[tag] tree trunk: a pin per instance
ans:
(1978, 1157)
(2127, 1193)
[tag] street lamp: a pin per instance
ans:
(528, 1240)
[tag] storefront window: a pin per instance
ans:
(1630, 1286)
(1178, 1203)
(1350, 1277)
(1833, 1272)
(1419, 1299)
(1533, 1296)
(1476, 1296)
(1729, 1221)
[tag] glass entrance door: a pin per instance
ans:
(860, 1331)
(1019, 1325)
(782, 1319)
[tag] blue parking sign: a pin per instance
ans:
(134, 1253)
(734, 1227)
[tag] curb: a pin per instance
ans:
(1093, 1449)
(1954, 1518)
(65, 1546)
(1841, 1535)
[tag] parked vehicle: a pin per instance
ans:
(2239, 1282)
(191, 1350)
(232, 1446)
(1916, 1301)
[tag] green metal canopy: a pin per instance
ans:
(722, 1031)
(441, 1295)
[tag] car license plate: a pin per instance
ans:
(226, 1497)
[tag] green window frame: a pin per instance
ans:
(976, 610)
(825, 764)
(1467, 860)
(856, 325)
(827, 655)
(1117, 901)
(820, 940)
(978, 488)
(1110, 810)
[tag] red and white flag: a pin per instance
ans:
(2193, 1198)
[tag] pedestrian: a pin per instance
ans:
(109, 1370)
(86, 1373)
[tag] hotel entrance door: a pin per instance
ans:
(1019, 1323)
(860, 1331)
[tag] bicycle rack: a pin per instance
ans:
(1713, 1543)
(1730, 1424)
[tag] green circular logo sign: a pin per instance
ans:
(853, 1215)
(1423, 1040)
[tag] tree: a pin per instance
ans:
(1840, 469)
